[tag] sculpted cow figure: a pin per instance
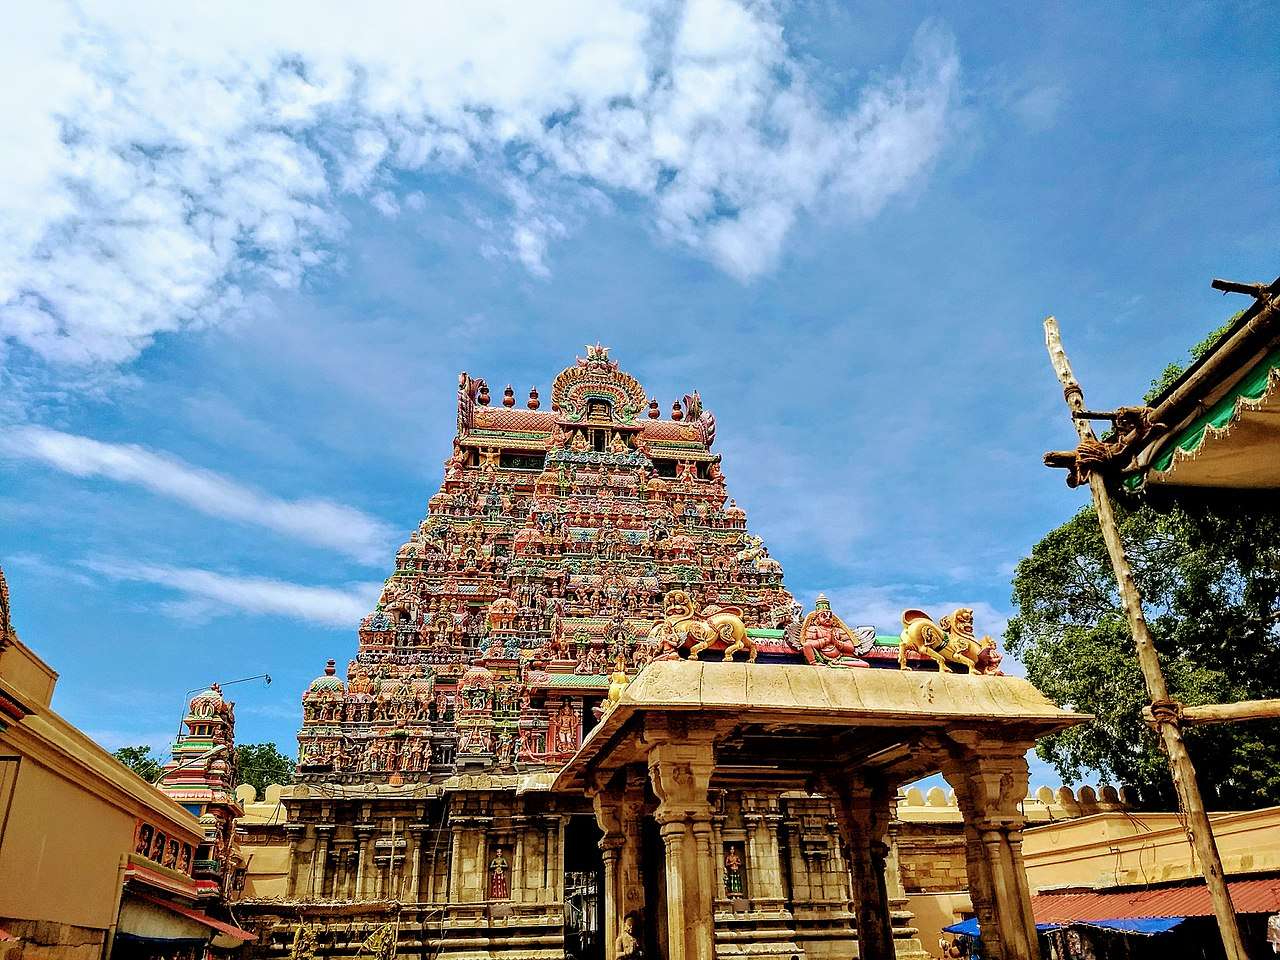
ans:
(686, 627)
(950, 640)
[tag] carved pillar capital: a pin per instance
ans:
(681, 775)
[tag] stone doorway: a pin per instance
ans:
(583, 890)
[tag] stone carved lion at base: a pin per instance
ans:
(685, 626)
(950, 640)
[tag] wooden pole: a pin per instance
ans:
(1224, 712)
(1165, 711)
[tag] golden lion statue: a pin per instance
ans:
(713, 627)
(950, 640)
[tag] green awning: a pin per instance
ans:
(1235, 444)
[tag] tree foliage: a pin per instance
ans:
(140, 761)
(1174, 370)
(261, 764)
(1209, 573)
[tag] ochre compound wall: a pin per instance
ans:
(60, 850)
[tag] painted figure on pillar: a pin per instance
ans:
(499, 882)
(826, 641)
(734, 882)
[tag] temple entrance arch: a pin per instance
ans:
(824, 743)
(583, 890)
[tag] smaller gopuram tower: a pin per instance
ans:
(201, 776)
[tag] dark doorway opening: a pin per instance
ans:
(583, 890)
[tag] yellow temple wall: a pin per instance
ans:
(1119, 849)
(72, 813)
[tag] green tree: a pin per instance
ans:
(261, 764)
(140, 761)
(1209, 572)
(1174, 370)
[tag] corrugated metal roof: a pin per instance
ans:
(1248, 896)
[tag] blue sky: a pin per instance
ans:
(245, 254)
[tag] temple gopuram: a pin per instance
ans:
(488, 778)
(543, 559)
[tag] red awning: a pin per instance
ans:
(199, 917)
(1248, 896)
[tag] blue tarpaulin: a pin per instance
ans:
(1144, 925)
(1147, 925)
(970, 927)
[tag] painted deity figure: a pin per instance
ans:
(733, 885)
(567, 729)
(618, 681)
(143, 847)
(499, 882)
(826, 641)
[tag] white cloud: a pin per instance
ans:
(159, 161)
(318, 522)
(1039, 106)
(882, 606)
(207, 593)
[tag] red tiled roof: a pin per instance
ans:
(1248, 896)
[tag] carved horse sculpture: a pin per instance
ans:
(950, 640)
(713, 627)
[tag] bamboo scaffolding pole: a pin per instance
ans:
(1165, 712)
(1224, 712)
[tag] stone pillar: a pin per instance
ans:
(864, 809)
(717, 863)
(419, 831)
(680, 770)
(555, 857)
(629, 879)
(457, 831)
(477, 873)
(606, 801)
(618, 811)
(610, 848)
(519, 881)
(673, 832)
(324, 831)
(990, 781)
(762, 821)
(295, 832)
(364, 859)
